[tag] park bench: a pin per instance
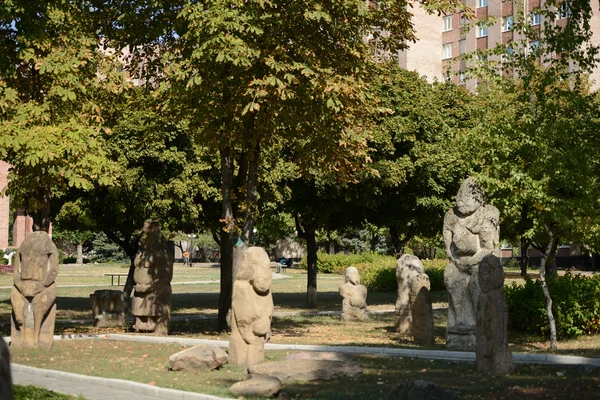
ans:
(112, 278)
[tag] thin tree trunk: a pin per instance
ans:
(227, 238)
(311, 260)
(548, 256)
(79, 253)
(550, 264)
(41, 217)
(524, 259)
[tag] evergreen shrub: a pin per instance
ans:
(575, 305)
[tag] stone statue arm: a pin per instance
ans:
(447, 234)
(489, 234)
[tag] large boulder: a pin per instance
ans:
(419, 390)
(259, 386)
(198, 358)
(305, 370)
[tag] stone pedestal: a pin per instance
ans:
(108, 308)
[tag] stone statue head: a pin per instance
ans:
(470, 196)
(491, 273)
(37, 258)
(256, 268)
(151, 235)
(410, 262)
(352, 276)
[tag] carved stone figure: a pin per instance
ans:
(33, 295)
(492, 353)
(151, 301)
(251, 308)
(471, 232)
(413, 307)
(6, 389)
(108, 308)
(354, 303)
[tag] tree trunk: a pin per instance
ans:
(399, 244)
(524, 259)
(79, 253)
(550, 264)
(130, 245)
(227, 238)
(548, 256)
(41, 217)
(311, 259)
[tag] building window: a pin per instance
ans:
(563, 10)
(534, 45)
(447, 23)
(482, 3)
(535, 19)
(461, 78)
(482, 30)
(507, 56)
(462, 21)
(507, 23)
(447, 51)
(462, 46)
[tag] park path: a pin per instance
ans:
(95, 388)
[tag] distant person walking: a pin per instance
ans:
(186, 258)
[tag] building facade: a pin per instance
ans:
(442, 39)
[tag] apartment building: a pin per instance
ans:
(443, 39)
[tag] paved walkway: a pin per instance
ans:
(94, 388)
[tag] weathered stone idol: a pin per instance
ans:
(251, 309)
(151, 301)
(471, 232)
(33, 295)
(354, 303)
(6, 389)
(108, 308)
(413, 307)
(492, 353)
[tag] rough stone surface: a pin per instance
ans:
(151, 301)
(354, 295)
(33, 295)
(6, 391)
(198, 358)
(318, 355)
(471, 232)
(492, 353)
(419, 390)
(108, 308)
(414, 311)
(306, 370)
(260, 386)
(251, 309)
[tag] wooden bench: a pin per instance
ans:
(112, 278)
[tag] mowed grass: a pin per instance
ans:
(148, 363)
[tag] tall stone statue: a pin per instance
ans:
(471, 232)
(33, 295)
(251, 309)
(151, 301)
(492, 355)
(6, 389)
(414, 311)
(354, 303)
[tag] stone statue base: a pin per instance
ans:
(23, 336)
(461, 338)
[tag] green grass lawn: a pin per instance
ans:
(148, 363)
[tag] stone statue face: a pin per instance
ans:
(352, 276)
(470, 196)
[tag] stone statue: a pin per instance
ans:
(108, 308)
(6, 389)
(492, 353)
(354, 303)
(251, 309)
(471, 232)
(151, 301)
(414, 311)
(33, 295)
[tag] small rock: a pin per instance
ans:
(198, 358)
(260, 386)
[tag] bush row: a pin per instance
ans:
(575, 305)
(378, 272)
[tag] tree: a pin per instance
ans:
(77, 237)
(52, 75)
(538, 134)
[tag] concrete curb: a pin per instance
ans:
(133, 387)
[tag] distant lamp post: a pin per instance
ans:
(254, 232)
(191, 248)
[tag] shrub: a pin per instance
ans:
(337, 263)
(6, 269)
(575, 305)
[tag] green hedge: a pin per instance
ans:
(378, 272)
(575, 305)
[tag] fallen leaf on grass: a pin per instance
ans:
(151, 383)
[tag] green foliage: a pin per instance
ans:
(435, 270)
(379, 277)
(337, 263)
(103, 250)
(61, 256)
(21, 392)
(575, 304)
